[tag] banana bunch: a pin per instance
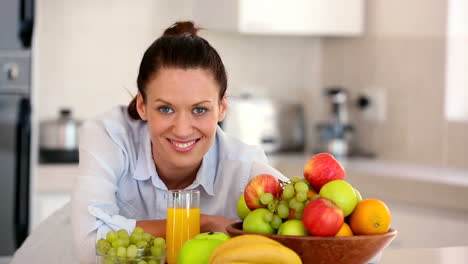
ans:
(253, 249)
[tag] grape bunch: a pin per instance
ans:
(290, 204)
(136, 248)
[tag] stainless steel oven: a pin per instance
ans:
(16, 23)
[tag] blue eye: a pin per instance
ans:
(166, 110)
(199, 110)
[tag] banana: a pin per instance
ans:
(240, 240)
(259, 253)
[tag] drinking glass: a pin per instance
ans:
(182, 222)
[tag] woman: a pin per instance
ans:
(166, 139)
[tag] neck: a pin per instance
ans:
(175, 177)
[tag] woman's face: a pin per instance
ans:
(182, 109)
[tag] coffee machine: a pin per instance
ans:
(336, 133)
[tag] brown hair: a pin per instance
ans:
(178, 47)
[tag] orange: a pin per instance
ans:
(371, 216)
(345, 230)
(311, 193)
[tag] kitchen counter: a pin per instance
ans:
(447, 255)
(396, 181)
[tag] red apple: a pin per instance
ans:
(321, 169)
(322, 217)
(262, 183)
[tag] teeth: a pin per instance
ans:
(184, 145)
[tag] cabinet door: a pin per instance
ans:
(301, 17)
(279, 17)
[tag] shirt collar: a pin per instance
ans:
(145, 167)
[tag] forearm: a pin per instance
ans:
(156, 228)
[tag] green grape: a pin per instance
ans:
(112, 252)
(272, 206)
(142, 244)
(109, 261)
(301, 187)
(138, 230)
(288, 191)
(159, 242)
(142, 262)
(132, 251)
(122, 233)
(299, 206)
(276, 222)
(152, 261)
(112, 236)
(125, 241)
(135, 237)
(146, 237)
(285, 202)
(268, 216)
(121, 252)
(283, 211)
(157, 251)
(266, 198)
(301, 196)
(295, 179)
(118, 243)
(292, 203)
(103, 246)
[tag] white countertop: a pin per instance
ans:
(447, 255)
(55, 177)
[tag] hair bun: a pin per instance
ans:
(180, 28)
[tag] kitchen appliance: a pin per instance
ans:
(58, 139)
(276, 126)
(336, 134)
(16, 23)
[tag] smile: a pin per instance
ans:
(183, 146)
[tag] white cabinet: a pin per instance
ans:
(281, 17)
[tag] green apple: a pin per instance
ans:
(199, 249)
(255, 222)
(292, 227)
(342, 193)
(213, 235)
(242, 208)
(358, 195)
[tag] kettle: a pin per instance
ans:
(58, 138)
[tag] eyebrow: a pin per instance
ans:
(166, 102)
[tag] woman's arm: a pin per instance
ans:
(94, 205)
(208, 223)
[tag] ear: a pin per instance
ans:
(141, 107)
(222, 108)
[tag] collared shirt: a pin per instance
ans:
(118, 183)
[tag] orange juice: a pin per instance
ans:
(182, 224)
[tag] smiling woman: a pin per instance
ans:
(166, 139)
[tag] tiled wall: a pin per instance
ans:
(403, 53)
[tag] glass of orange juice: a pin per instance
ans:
(183, 221)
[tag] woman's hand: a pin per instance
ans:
(214, 223)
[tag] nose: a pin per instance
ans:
(183, 125)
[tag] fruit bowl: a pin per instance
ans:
(338, 250)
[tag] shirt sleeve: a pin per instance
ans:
(94, 205)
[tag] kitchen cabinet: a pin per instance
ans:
(279, 17)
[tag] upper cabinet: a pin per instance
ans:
(282, 17)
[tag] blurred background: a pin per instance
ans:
(379, 84)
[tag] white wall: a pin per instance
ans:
(87, 54)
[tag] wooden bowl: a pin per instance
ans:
(322, 250)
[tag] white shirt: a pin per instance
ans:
(118, 183)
